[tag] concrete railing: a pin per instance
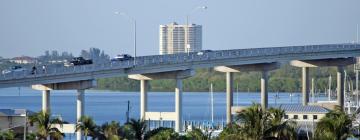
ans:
(179, 58)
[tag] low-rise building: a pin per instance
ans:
(14, 119)
(302, 113)
(23, 60)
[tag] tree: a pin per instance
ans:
(31, 136)
(110, 131)
(45, 126)
(87, 125)
(230, 132)
(336, 125)
(161, 133)
(259, 124)
(8, 135)
(197, 134)
(139, 128)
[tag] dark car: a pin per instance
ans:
(80, 61)
(122, 57)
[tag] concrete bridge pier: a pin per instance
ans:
(229, 95)
(46, 100)
(164, 116)
(143, 98)
(80, 108)
(264, 68)
(178, 105)
(80, 86)
(305, 85)
(340, 63)
(264, 89)
(340, 86)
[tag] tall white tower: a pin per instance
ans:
(173, 38)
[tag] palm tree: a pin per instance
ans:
(110, 131)
(161, 133)
(87, 125)
(279, 128)
(45, 126)
(259, 124)
(139, 128)
(230, 132)
(197, 134)
(336, 125)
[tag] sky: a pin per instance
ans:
(30, 27)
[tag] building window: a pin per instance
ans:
(286, 117)
(295, 116)
(315, 117)
(305, 117)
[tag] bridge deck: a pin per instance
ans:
(163, 63)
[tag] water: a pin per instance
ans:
(106, 106)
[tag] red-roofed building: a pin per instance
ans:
(23, 60)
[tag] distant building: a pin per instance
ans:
(23, 60)
(173, 38)
(301, 113)
(14, 119)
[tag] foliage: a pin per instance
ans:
(7, 135)
(258, 124)
(162, 133)
(110, 130)
(87, 125)
(230, 132)
(138, 127)
(198, 134)
(45, 127)
(31, 136)
(336, 125)
(285, 79)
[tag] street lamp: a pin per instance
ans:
(187, 45)
(134, 22)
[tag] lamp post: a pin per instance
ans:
(134, 22)
(187, 45)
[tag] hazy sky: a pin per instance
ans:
(29, 27)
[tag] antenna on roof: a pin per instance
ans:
(357, 33)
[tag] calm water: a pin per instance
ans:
(106, 106)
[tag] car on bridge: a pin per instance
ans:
(202, 52)
(80, 61)
(14, 69)
(122, 57)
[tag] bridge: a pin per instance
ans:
(181, 66)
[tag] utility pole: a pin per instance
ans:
(128, 111)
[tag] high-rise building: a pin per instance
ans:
(175, 38)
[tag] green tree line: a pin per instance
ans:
(285, 79)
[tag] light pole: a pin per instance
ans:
(134, 22)
(187, 45)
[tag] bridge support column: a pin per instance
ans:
(178, 105)
(229, 95)
(264, 89)
(46, 101)
(340, 86)
(305, 85)
(143, 98)
(80, 103)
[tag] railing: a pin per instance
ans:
(178, 58)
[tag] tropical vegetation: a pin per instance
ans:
(255, 123)
(45, 126)
(252, 123)
(336, 125)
